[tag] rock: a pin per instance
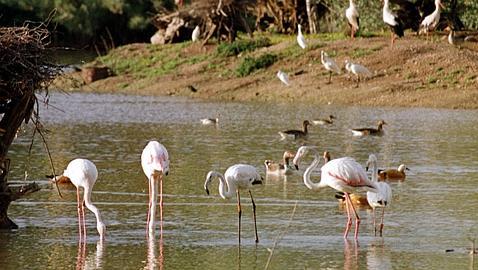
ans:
(91, 74)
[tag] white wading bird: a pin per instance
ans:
(358, 70)
(329, 64)
(237, 177)
(342, 174)
(352, 15)
(301, 38)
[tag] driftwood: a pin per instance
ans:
(24, 71)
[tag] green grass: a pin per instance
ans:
(251, 64)
(241, 45)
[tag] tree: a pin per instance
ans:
(24, 71)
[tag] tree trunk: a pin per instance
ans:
(18, 111)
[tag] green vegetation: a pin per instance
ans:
(243, 45)
(251, 64)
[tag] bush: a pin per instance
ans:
(239, 46)
(251, 64)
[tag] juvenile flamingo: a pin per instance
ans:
(380, 199)
(83, 173)
(155, 163)
(342, 174)
(237, 177)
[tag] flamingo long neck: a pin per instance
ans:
(153, 182)
(99, 221)
(374, 171)
(351, 3)
(308, 172)
(226, 188)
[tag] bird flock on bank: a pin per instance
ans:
(344, 175)
(407, 15)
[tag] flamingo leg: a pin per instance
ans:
(254, 216)
(79, 212)
(381, 221)
(357, 218)
(149, 205)
(83, 218)
(239, 212)
(349, 218)
(161, 201)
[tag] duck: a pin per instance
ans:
(393, 174)
(358, 200)
(297, 134)
(283, 168)
(210, 121)
(369, 131)
(326, 121)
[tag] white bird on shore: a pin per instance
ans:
(301, 38)
(431, 21)
(329, 64)
(196, 33)
(358, 70)
(237, 177)
(352, 15)
(210, 121)
(283, 77)
(392, 20)
(382, 198)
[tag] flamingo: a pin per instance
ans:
(342, 174)
(352, 15)
(283, 77)
(382, 198)
(301, 38)
(196, 33)
(284, 168)
(357, 69)
(393, 174)
(393, 21)
(237, 177)
(327, 121)
(369, 131)
(431, 21)
(297, 134)
(329, 64)
(83, 173)
(155, 163)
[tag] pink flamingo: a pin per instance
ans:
(155, 163)
(342, 174)
(83, 173)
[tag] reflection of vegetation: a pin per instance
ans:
(239, 46)
(251, 64)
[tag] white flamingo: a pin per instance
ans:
(342, 174)
(329, 64)
(155, 163)
(283, 77)
(431, 21)
(196, 33)
(382, 198)
(301, 38)
(237, 177)
(358, 70)
(352, 15)
(83, 173)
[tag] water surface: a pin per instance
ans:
(432, 210)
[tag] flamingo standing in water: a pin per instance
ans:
(236, 177)
(155, 163)
(83, 173)
(342, 174)
(380, 199)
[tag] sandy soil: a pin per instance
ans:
(414, 73)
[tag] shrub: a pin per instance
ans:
(251, 64)
(239, 46)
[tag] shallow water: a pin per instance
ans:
(432, 210)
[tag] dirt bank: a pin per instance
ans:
(415, 73)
